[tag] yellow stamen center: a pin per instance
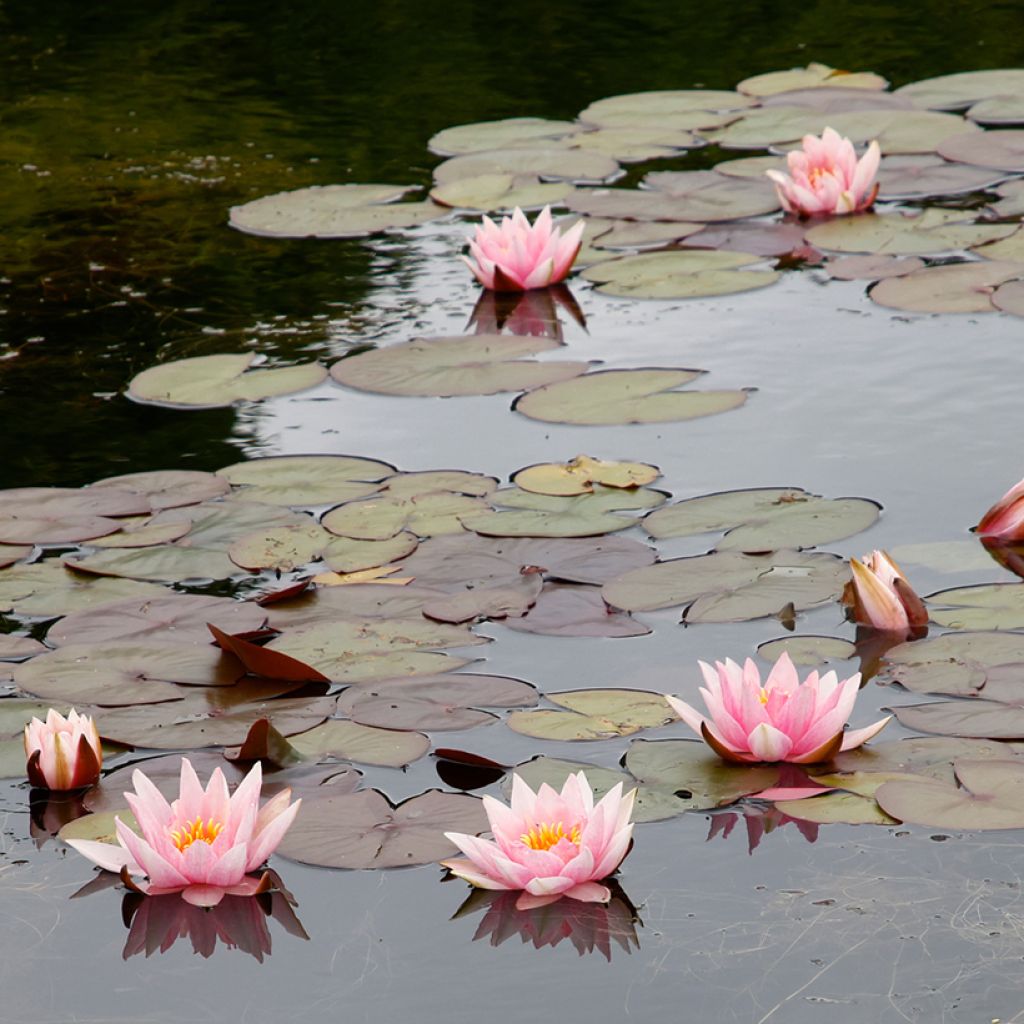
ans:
(544, 835)
(763, 696)
(195, 831)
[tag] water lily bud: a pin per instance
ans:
(881, 596)
(1005, 519)
(63, 753)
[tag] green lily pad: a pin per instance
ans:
(167, 564)
(331, 211)
(631, 234)
(952, 288)
(998, 110)
(922, 177)
(932, 232)
(502, 192)
(838, 808)
(47, 589)
(173, 618)
(284, 548)
(412, 485)
(352, 651)
(951, 92)
(510, 598)
(364, 830)
(99, 827)
(764, 519)
(593, 715)
(369, 600)
(987, 606)
(444, 702)
(704, 198)
(305, 480)
(685, 775)
(580, 165)
(675, 108)
(125, 672)
(478, 364)
(730, 586)
(988, 795)
(947, 556)
(808, 650)
(487, 135)
(612, 397)
(15, 714)
(382, 517)
(362, 743)
(636, 143)
(872, 268)
(217, 525)
(1009, 248)
(679, 274)
(813, 76)
(345, 554)
(206, 382)
(544, 515)
(931, 756)
(957, 664)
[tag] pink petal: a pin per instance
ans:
(854, 738)
(268, 834)
(468, 871)
(690, 715)
(106, 855)
(589, 892)
(769, 744)
(527, 901)
(202, 895)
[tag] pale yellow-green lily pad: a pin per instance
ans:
(578, 475)
(813, 76)
(952, 288)
(484, 135)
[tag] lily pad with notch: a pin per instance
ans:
(593, 715)
(384, 517)
(481, 136)
(575, 610)
(614, 397)
(306, 479)
(48, 589)
(950, 288)
(362, 743)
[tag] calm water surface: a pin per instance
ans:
(127, 133)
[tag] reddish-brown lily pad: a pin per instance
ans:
(573, 610)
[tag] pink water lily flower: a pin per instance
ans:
(1005, 519)
(202, 845)
(517, 256)
(549, 844)
(783, 720)
(62, 753)
(881, 596)
(825, 177)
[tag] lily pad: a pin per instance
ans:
(371, 600)
(488, 135)
(510, 598)
(573, 610)
(612, 397)
(16, 648)
(206, 382)
(1009, 298)
(284, 548)
(365, 830)
(988, 795)
(351, 651)
(579, 475)
(173, 618)
(838, 808)
(411, 485)
(47, 589)
(11, 553)
(952, 288)
(754, 237)
(124, 673)
(305, 479)
(443, 702)
(987, 606)
(169, 488)
(455, 563)
(1009, 248)
(952, 92)
(983, 719)
(931, 756)
(764, 519)
(680, 274)
(478, 364)
(729, 586)
(212, 716)
(922, 177)
(1002, 150)
(633, 144)
(813, 76)
(808, 650)
(593, 715)
(872, 268)
(382, 517)
(362, 743)
(709, 197)
(345, 554)
(501, 192)
(949, 556)
(331, 211)
(543, 515)
(143, 532)
(683, 775)
(676, 108)
(954, 663)
(543, 162)
(932, 232)
(167, 563)
(997, 110)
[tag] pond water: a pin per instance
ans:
(128, 138)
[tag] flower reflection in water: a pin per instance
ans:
(239, 922)
(589, 927)
(759, 822)
(532, 314)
